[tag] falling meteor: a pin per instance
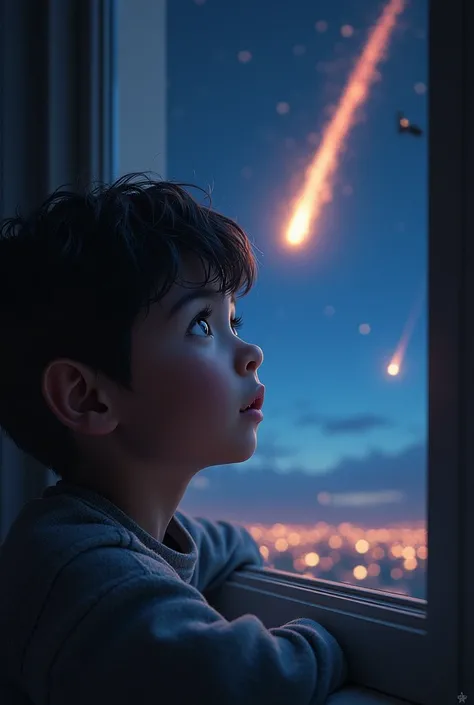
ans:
(395, 364)
(318, 186)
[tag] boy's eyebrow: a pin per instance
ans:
(196, 294)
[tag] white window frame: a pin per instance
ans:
(416, 650)
(141, 86)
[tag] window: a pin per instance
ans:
(262, 102)
(245, 91)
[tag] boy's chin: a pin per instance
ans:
(235, 454)
(238, 450)
(243, 451)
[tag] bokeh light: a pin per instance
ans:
(282, 108)
(244, 56)
(347, 30)
(420, 88)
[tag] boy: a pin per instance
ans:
(121, 369)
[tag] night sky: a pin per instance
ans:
(330, 405)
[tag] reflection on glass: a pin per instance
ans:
(309, 124)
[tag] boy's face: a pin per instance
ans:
(191, 376)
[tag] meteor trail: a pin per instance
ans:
(318, 186)
(395, 364)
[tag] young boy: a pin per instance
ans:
(121, 368)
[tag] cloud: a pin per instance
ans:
(268, 450)
(357, 423)
(395, 483)
(361, 499)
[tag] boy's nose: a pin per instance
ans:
(249, 358)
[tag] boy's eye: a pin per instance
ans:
(200, 327)
(236, 324)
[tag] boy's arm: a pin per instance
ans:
(223, 547)
(153, 638)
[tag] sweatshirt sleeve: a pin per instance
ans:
(223, 547)
(153, 639)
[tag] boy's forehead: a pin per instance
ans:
(194, 277)
(192, 272)
(189, 290)
(193, 281)
(164, 310)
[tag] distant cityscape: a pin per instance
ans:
(364, 523)
(393, 559)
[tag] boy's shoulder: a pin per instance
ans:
(55, 531)
(61, 556)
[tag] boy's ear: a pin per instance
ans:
(78, 397)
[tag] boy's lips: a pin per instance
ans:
(256, 401)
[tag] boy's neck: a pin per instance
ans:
(141, 496)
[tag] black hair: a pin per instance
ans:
(76, 273)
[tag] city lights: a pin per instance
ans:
(391, 559)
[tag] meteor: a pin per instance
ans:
(318, 186)
(394, 367)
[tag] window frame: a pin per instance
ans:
(466, 489)
(377, 631)
(141, 86)
(413, 649)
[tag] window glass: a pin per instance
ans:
(308, 121)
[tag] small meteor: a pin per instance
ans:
(395, 365)
(317, 189)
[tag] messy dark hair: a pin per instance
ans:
(76, 273)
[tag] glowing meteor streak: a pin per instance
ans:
(318, 186)
(395, 364)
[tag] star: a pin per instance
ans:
(462, 698)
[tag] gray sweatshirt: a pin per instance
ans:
(95, 611)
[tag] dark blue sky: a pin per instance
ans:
(329, 400)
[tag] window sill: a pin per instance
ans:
(362, 696)
(364, 622)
